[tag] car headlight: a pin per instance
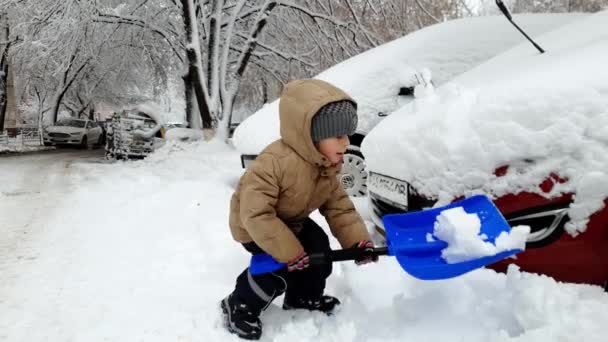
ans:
(77, 133)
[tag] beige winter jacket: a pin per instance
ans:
(291, 178)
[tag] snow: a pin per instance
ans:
(536, 113)
(21, 148)
(515, 239)
(21, 144)
(184, 134)
(141, 251)
(373, 78)
(462, 232)
(154, 112)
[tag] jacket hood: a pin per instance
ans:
(300, 101)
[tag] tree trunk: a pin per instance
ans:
(194, 63)
(199, 92)
(55, 108)
(188, 96)
(4, 35)
(40, 114)
(211, 44)
(66, 84)
(243, 62)
(264, 91)
(3, 93)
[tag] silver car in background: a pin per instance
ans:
(71, 131)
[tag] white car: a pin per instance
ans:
(70, 131)
(387, 77)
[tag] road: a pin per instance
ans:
(32, 185)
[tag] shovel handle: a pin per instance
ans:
(346, 254)
(264, 263)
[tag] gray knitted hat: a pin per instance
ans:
(334, 119)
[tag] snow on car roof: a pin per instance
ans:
(539, 113)
(373, 78)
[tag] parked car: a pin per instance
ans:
(71, 131)
(525, 128)
(133, 133)
(383, 79)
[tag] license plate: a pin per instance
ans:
(388, 188)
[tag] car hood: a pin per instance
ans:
(373, 78)
(521, 106)
(64, 129)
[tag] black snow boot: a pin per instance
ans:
(240, 320)
(325, 304)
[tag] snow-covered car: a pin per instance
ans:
(133, 133)
(385, 78)
(527, 129)
(71, 131)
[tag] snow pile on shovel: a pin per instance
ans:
(461, 231)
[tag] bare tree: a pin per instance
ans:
(76, 53)
(5, 45)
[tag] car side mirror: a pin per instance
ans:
(406, 91)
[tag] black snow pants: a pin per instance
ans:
(258, 291)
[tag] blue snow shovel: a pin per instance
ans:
(406, 239)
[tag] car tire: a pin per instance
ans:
(84, 143)
(353, 176)
(99, 142)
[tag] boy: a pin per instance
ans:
(269, 210)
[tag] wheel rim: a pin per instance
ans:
(354, 176)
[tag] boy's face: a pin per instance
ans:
(334, 148)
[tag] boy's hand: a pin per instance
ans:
(367, 245)
(300, 262)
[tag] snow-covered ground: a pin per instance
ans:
(17, 147)
(33, 185)
(141, 251)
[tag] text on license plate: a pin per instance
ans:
(389, 188)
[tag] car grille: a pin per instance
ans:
(546, 223)
(382, 206)
(417, 202)
(59, 135)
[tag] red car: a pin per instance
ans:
(550, 249)
(510, 126)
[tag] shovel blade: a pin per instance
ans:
(409, 238)
(433, 267)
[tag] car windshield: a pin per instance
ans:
(71, 123)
